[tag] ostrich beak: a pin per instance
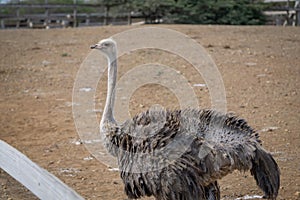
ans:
(96, 46)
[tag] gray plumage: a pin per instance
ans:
(181, 154)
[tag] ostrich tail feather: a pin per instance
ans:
(266, 173)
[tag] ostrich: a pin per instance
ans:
(180, 154)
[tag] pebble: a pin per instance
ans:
(46, 63)
(249, 64)
(51, 162)
(115, 182)
(199, 85)
(269, 129)
(88, 158)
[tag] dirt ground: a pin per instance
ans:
(260, 67)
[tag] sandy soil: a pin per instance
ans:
(260, 67)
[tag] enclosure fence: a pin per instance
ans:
(22, 15)
(39, 181)
(45, 15)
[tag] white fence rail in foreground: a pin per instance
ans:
(39, 181)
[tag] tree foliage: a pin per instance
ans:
(231, 12)
(152, 9)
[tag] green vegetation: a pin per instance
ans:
(232, 12)
(153, 10)
(65, 55)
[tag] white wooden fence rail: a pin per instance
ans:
(39, 181)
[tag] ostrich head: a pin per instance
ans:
(108, 47)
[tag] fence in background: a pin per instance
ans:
(48, 19)
(289, 14)
(284, 15)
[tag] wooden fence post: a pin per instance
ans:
(18, 16)
(106, 15)
(75, 14)
(87, 20)
(46, 14)
(297, 8)
(2, 23)
(129, 18)
(39, 181)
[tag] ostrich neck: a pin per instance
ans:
(107, 116)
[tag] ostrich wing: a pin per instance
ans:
(227, 143)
